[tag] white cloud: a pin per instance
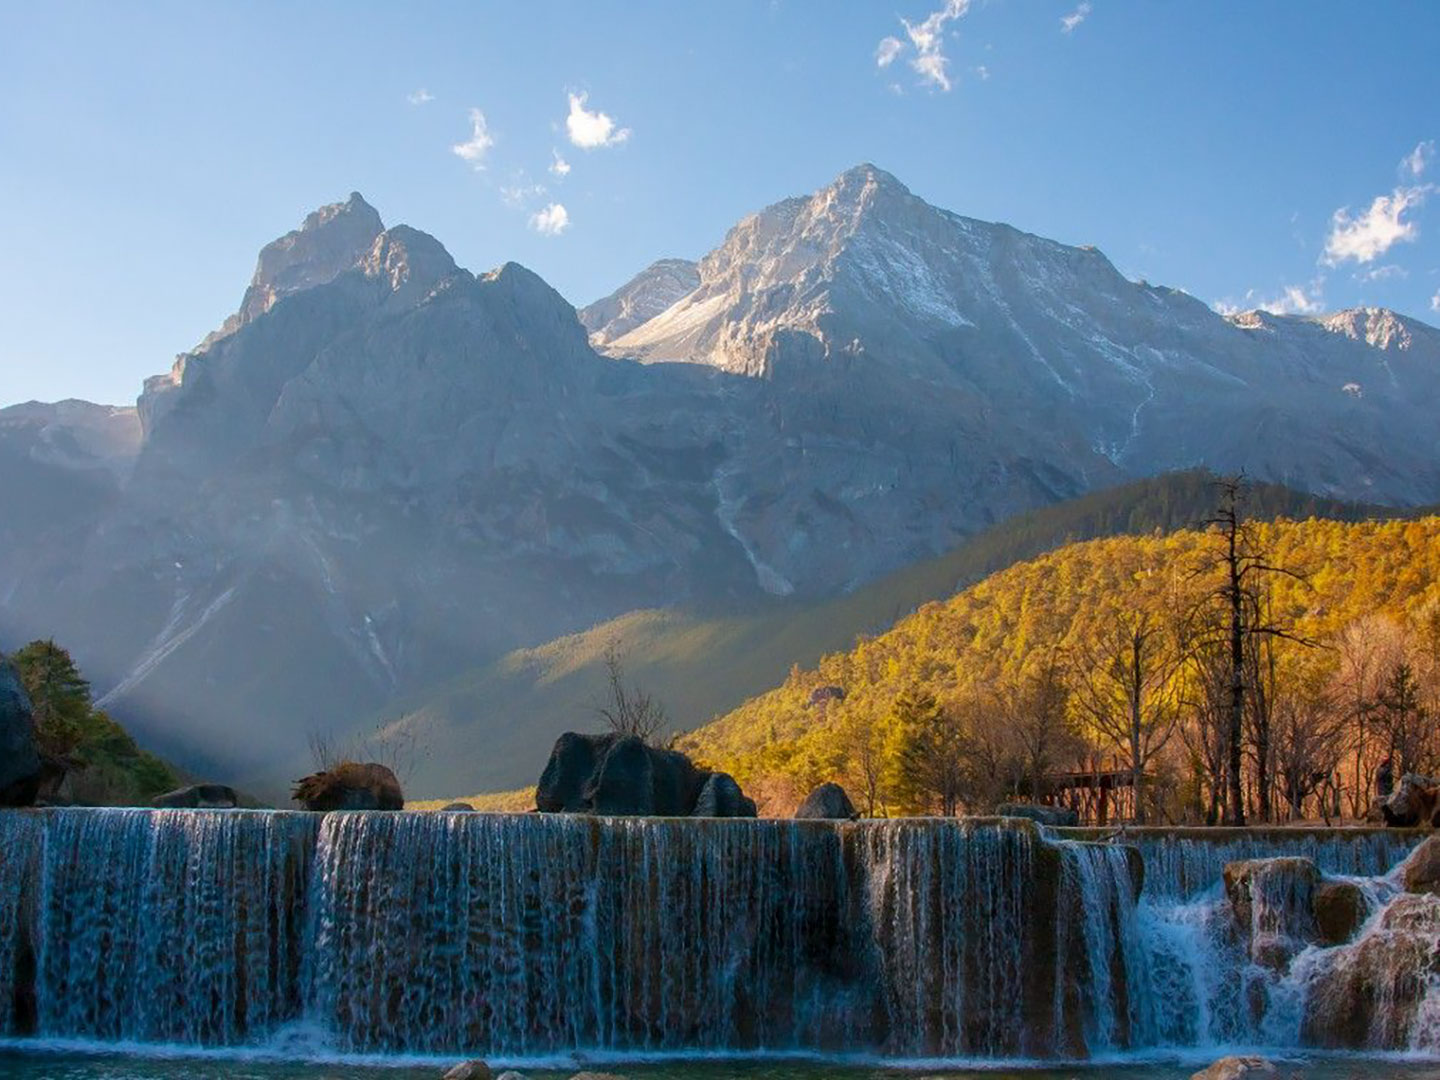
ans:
(1372, 233)
(1435, 301)
(521, 191)
(420, 97)
(559, 166)
(983, 73)
(552, 221)
(1069, 22)
(927, 43)
(1416, 162)
(590, 130)
(475, 148)
(1384, 273)
(1292, 300)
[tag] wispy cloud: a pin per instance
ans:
(478, 145)
(552, 221)
(926, 45)
(1383, 273)
(1387, 221)
(1435, 301)
(590, 130)
(420, 97)
(1069, 22)
(1418, 160)
(558, 165)
(1291, 300)
(521, 191)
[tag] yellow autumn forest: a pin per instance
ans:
(1029, 673)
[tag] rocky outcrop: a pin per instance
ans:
(1367, 995)
(21, 767)
(469, 1070)
(1057, 816)
(620, 775)
(350, 786)
(199, 797)
(1414, 803)
(828, 802)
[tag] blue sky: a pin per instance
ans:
(1248, 152)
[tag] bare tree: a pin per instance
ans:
(627, 709)
(1243, 565)
(1124, 685)
(1308, 741)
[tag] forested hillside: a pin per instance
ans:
(701, 664)
(1036, 669)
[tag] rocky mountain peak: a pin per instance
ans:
(411, 262)
(331, 240)
(1378, 327)
(640, 299)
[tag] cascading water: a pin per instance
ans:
(528, 936)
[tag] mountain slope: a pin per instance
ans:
(490, 728)
(640, 299)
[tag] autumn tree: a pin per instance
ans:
(1123, 679)
(59, 694)
(929, 754)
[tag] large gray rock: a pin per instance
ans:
(21, 768)
(721, 797)
(620, 775)
(828, 802)
(469, 1070)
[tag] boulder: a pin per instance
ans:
(198, 797)
(457, 808)
(1059, 816)
(1340, 910)
(721, 797)
(1236, 1068)
(1421, 870)
(621, 775)
(827, 802)
(469, 1070)
(350, 786)
(1414, 803)
(21, 767)
(1273, 903)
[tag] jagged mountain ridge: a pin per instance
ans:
(640, 299)
(384, 468)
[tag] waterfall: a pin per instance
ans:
(528, 936)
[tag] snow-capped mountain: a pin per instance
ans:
(384, 468)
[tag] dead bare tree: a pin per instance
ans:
(628, 709)
(1242, 564)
